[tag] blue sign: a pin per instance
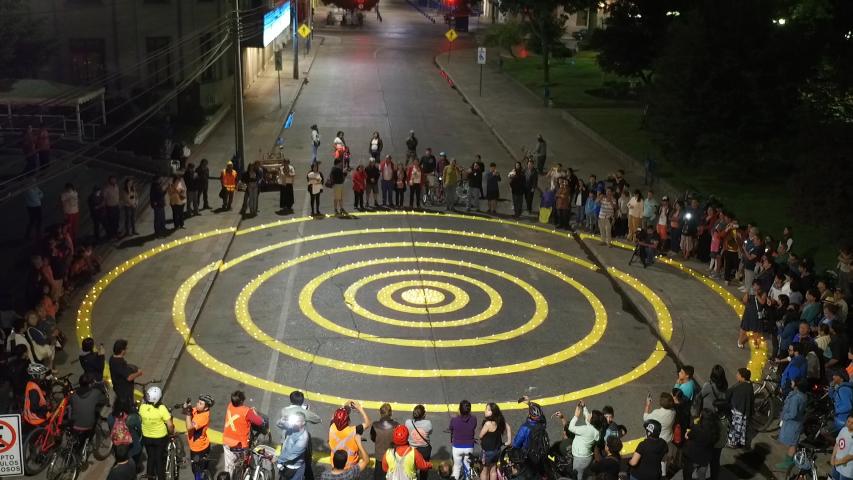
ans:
(289, 121)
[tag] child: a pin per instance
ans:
(563, 202)
(399, 185)
(589, 211)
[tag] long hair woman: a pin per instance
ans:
(494, 434)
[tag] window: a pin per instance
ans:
(582, 18)
(159, 67)
(87, 59)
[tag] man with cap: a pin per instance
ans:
(346, 437)
(647, 463)
(841, 392)
(403, 456)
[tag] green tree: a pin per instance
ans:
(634, 34)
(504, 36)
(23, 46)
(545, 21)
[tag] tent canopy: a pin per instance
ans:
(24, 92)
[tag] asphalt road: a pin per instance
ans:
(382, 78)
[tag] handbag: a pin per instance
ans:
(223, 192)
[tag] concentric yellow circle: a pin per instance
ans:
(422, 296)
(460, 297)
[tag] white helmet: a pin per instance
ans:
(37, 370)
(153, 394)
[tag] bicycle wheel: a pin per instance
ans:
(60, 462)
(172, 471)
(763, 414)
(102, 441)
(36, 458)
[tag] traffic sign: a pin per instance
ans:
(451, 35)
(11, 453)
(304, 30)
(481, 55)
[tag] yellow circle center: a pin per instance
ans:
(422, 296)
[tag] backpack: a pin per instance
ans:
(399, 472)
(120, 434)
(538, 445)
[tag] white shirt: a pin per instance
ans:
(785, 289)
(69, 202)
(844, 443)
(666, 418)
(315, 137)
(315, 182)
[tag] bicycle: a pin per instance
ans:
(176, 455)
(41, 442)
(805, 463)
(243, 463)
(261, 463)
(65, 463)
(434, 194)
(768, 402)
(472, 468)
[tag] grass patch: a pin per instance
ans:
(619, 121)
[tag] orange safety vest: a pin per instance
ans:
(344, 440)
(229, 181)
(236, 431)
(29, 416)
(198, 440)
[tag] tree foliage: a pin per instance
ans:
(504, 36)
(23, 46)
(634, 34)
(545, 21)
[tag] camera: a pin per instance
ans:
(187, 407)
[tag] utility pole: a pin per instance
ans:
(294, 23)
(239, 126)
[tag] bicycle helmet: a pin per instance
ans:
(534, 412)
(442, 154)
(37, 370)
(207, 399)
(153, 394)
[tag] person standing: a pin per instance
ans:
(124, 467)
(478, 159)
(123, 374)
(741, 398)
(129, 201)
(203, 171)
(541, 153)
(635, 215)
(411, 146)
(252, 178)
(315, 143)
(586, 437)
(650, 209)
(419, 429)
(386, 171)
(157, 201)
(414, 176)
(337, 176)
(475, 186)
(239, 419)
(531, 184)
(43, 147)
(493, 179)
(359, 178)
(374, 149)
(372, 176)
(381, 434)
(793, 414)
(177, 200)
(399, 185)
(842, 452)
(191, 181)
(112, 207)
(157, 425)
(462, 429)
(32, 200)
(649, 457)
(228, 180)
(699, 448)
(606, 213)
(286, 176)
(96, 211)
(451, 181)
(517, 188)
(71, 209)
(197, 420)
(315, 187)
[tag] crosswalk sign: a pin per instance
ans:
(451, 35)
(304, 31)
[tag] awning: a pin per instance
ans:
(45, 93)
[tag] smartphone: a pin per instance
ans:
(649, 397)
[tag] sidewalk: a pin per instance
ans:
(516, 115)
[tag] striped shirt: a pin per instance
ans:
(607, 208)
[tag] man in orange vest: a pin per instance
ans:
(238, 424)
(346, 437)
(198, 419)
(228, 178)
(36, 409)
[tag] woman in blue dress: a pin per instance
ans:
(793, 414)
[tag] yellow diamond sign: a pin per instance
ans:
(451, 35)
(304, 31)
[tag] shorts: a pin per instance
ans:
(491, 457)
(339, 191)
(372, 187)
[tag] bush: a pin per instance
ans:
(615, 90)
